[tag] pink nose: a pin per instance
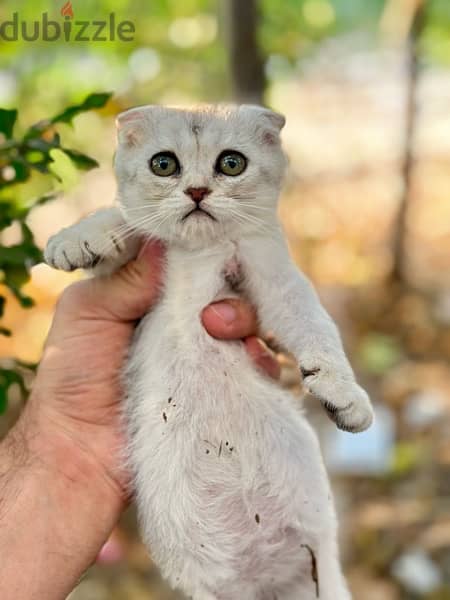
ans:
(197, 194)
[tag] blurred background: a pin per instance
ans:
(365, 86)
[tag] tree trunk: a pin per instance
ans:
(245, 59)
(401, 226)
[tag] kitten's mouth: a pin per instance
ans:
(200, 212)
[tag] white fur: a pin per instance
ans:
(233, 497)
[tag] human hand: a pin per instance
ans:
(72, 422)
(78, 389)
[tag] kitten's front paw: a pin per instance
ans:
(346, 403)
(74, 248)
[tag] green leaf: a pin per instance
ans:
(7, 121)
(8, 377)
(36, 152)
(21, 169)
(21, 173)
(91, 102)
(15, 264)
(14, 255)
(43, 200)
(10, 211)
(82, 161)
(35, 157)
(36, 130)
(42, 144)
(3, 399)
(14, 278)
(28, 238)
(42, 166)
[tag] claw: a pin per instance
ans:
(95, 258)
(72, 267)
(308, 372)
(331, 409)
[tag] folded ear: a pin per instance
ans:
(131, 125)
(271, 123)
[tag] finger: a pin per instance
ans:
(124, 296)
(230, 319)
(263, 356)
(134, 288)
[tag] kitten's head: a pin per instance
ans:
(195, 176)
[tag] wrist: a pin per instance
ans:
(56, 510)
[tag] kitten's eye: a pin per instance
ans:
(231, 163)
(164, 164)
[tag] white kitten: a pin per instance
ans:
(233, 497)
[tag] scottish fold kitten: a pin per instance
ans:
(233, 498)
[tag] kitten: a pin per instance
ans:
(233, 497)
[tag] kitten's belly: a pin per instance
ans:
(220, 452)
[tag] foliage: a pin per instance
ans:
(20, 158)
(163, 56)
(178, 51)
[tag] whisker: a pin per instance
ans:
(138, 208)
(249, 219)
(124, 232)
(159, 225)
(254, 207)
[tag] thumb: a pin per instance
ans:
(127, 294)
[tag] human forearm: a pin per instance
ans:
(56, 510)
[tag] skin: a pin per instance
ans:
(62, 486)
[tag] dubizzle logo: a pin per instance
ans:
(67, 10)
(70, 30)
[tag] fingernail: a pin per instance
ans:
(224, 311)
(263, 349)
(111, 552)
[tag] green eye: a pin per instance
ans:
(231, 163)
(164, 164)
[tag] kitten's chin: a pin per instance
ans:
(196, 231)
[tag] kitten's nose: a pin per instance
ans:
(197, 194)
